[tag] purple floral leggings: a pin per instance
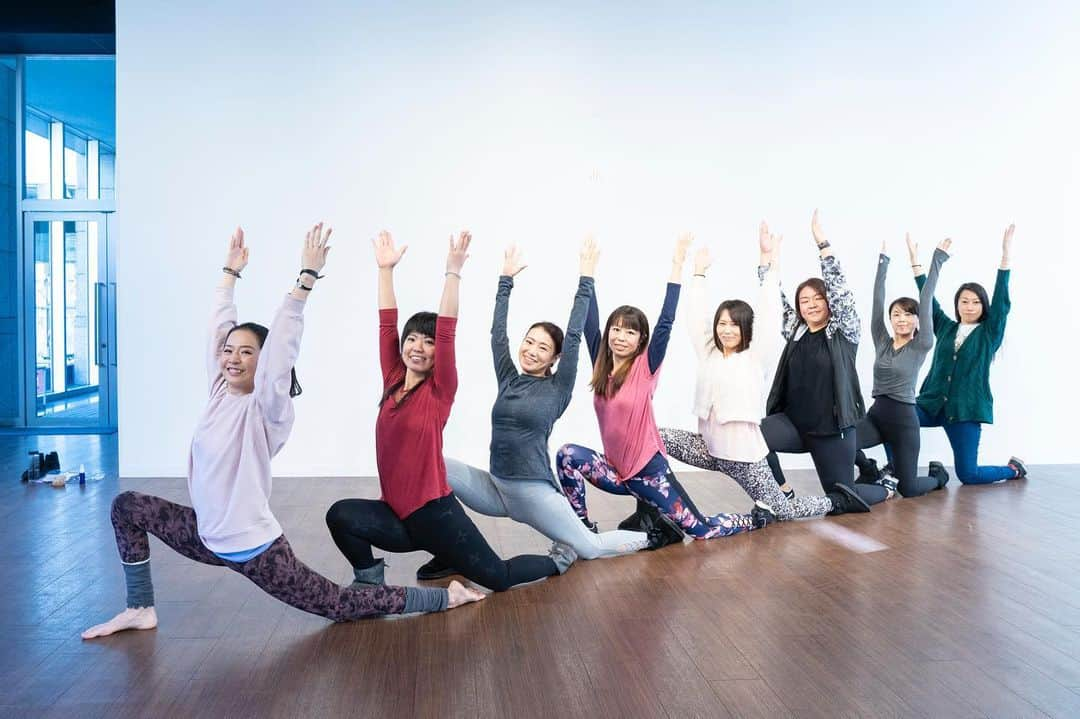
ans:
(655, 484)
(276, 571)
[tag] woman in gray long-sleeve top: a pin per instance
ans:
(892, 419)
(520, 483)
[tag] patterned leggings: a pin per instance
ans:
(755, 478)
(655, 484)
(276, 571)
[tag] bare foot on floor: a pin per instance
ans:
(460, 594)
(141, 618)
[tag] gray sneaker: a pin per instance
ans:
(563, 555)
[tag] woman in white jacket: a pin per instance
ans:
(730, 393)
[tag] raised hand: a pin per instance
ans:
(590, 254)
(458, 252)
(682, 244)
(766, 242)
(512, 261)
(386, 255)
(883, 249)
(945, 244)
(1006, 241)
(236, 258)
(313, 256)
(702, 261)
(815, 229)
(912, 249)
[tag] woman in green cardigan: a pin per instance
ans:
(956, 393)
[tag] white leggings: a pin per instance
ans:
(537, 503)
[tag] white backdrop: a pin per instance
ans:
(537, 125)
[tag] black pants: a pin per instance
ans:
(897, 425)
(440, 527)
(833, 455)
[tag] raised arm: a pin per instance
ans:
(445, 371)
(844, 316)
(941, 321)
(1000, 303)
(273, 376)
(768, 316)
(698, 321)
(505, 369)
(593, 335)
(223, 316)
(662, 333)
(925, 338)
(878, 330)
(568, 363)
(386, 258)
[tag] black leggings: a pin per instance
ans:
(833, 455)
(440, 527)
(897, 425)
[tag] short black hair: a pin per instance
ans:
(422, 323)
(741, 314)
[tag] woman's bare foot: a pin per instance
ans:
(460, 594)
(140, 618)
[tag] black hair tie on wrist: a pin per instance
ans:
(313, 273)
(230, 271)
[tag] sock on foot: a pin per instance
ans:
(140, 588)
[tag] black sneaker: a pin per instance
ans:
(1018, 466)
(591, 526)
(889, 482)
(937, 471)
(762, 515)
(868, 471)
(846, 500)
(663, 531)
(639, 520)
(434, 569)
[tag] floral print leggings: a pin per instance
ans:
(654, 484)
(276, 571)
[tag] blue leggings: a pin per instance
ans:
(654, 484)
(964, 438)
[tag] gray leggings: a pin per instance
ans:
(540, 505)
(755, 478)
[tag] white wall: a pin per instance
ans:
(936, 121)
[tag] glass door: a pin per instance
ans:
(70, 322)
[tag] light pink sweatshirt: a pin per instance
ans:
(229, 465)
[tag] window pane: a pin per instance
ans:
(74, 166)
(37, 158)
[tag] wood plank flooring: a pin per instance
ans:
(965, 603)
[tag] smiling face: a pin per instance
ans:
(239, 358)
(623, 341)
(904, 321)
(969, 307)
(813, 307)
(418, 353)
(728, 332)
(537, 353)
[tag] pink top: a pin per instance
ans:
(229, 465)
(627, 424)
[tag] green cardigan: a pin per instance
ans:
(959, 382)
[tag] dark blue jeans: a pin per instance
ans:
(964, 438)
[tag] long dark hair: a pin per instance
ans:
(907, 304)
(741, 314)
(979, 291)
(260, 332)
(554, 332)
(631, 318)
(422, 323)
(818, 286)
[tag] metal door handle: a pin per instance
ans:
(100, 330)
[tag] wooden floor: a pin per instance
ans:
(965, 603)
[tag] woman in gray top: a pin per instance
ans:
(892, 419)
(520, 483)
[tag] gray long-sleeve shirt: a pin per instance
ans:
(527, 407)
(895, 370)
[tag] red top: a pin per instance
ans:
(408, 436)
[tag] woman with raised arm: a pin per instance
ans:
(956, 393)
(815, 400)
(892, 419)
(418, 509)
(519, 483)
(736, 348)
(246, 422)
(626, 368)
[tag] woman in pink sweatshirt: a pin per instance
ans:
(246, 422)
